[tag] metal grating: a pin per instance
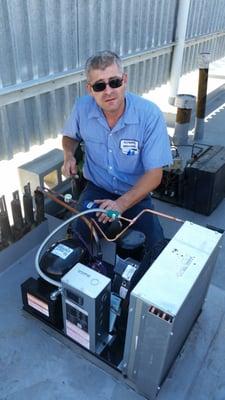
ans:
(161, 314)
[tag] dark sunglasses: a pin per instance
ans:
(114, 83)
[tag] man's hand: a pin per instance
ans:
(107, 205)
(148, 182)
(69, 167)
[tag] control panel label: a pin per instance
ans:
(62, 251)
(78, 334)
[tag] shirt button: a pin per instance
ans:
(110, 150)
(110, 167)
(114, 178)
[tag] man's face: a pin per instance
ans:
(111, 100)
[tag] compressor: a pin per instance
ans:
(83, 288)
(129, 306)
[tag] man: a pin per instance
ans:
(126, 145)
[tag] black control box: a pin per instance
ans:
(198, 186)
(204, 181)
(36, 296)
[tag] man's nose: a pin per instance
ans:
(108, 89)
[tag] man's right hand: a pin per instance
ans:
(69, 167)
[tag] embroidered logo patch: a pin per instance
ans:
(129, 147)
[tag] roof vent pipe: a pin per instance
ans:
(204, 59)
(176, 67)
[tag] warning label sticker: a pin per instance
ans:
(39, 305)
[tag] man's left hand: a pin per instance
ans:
(107, 205)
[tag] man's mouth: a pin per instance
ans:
(109, 100)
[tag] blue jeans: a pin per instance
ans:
(147, 223)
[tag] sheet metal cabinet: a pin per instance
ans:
(165, 304)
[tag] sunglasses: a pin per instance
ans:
(114, 83)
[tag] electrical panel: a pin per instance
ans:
(86, 307)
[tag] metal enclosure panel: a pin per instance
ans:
(189, 312)
(86, 280)
(172, 275)
(159, 320)
(86, 301)
(152, 343)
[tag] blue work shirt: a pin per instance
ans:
(116, 158)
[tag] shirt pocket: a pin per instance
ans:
(96, 152)
(129, 163)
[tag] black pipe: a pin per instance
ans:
(6, 232)
(17, 212)
(40, 206)
(28, 206)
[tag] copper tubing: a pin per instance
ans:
(90, 226)
(115, 237)
(160, 214)
(132, 222)
(48, 193)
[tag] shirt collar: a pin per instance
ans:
(129, 117)
(95, 111)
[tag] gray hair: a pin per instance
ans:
(102, 60)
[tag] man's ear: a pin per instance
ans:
(125, 78)
(88, 88)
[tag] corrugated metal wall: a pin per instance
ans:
(44, 44)
(205, 32)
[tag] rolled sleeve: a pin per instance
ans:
(71, 126)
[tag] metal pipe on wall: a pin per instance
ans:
(177, 58)
(184, 103)
(204, 59)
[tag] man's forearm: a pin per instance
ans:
(146, 184)
(69, 146)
